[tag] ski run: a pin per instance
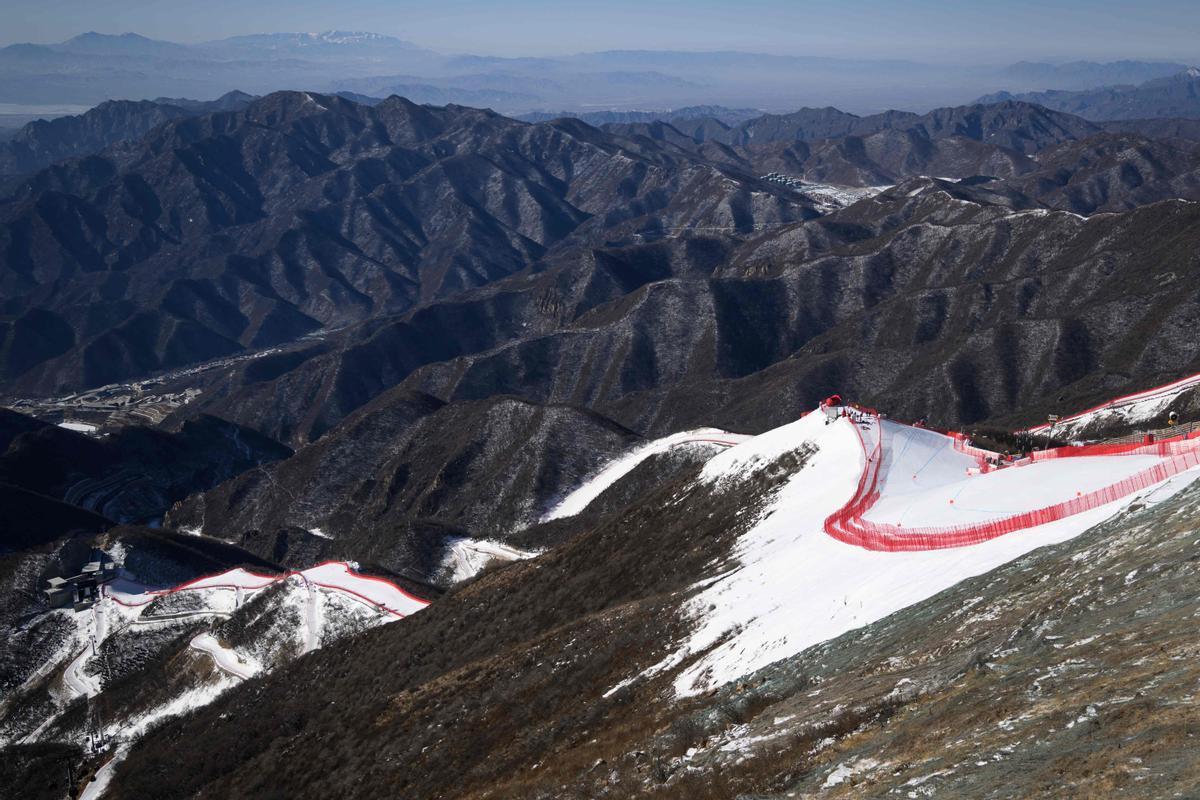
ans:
(882, 516)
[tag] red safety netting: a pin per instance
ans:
(1157, 392)
(1162, 448)
(848, 525)
(191, 585)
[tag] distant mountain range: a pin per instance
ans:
(726, 116)
(1089, 74)
(1177, 95)
(237, 230)
(94, 67)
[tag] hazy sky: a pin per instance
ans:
(927, 30)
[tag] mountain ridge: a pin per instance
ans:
(1176, 95)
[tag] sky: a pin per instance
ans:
(925, 30)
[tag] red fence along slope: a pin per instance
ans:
(849, 524)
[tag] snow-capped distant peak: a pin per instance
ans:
(1192, 72)
(315, 40)
(344, 37)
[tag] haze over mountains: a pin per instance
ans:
(1171, 96)
(94, 67)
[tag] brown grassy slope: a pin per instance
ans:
(492, 681)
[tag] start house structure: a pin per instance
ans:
(81, 591)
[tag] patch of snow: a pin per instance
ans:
(922, 779)
(1088, 714)
(593, 487)
(312, 618)
(1130, 409)
(78, 427)
(466, 557)
(227, 660)
(99, 783)
(842, 772)
(376, 591)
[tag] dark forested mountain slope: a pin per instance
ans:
(42, 142)
(1015, 125)
(946, 299)
(484, 469)
(247, 229)
(828, 145)
(1113, 173)
(469, 256)
(132, 474)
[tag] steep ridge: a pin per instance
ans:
(1112, 173)
(1002, 325)
(815, 318)
(701, 652)
(1012, 124)
(372, 487)
(246, 229)
(354, 259)
(43, 142)
(997, 139)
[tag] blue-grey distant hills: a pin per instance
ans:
(723, 114)
(93, 67)
(1078, 75)
(1177, 95)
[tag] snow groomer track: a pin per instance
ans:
(924, 490)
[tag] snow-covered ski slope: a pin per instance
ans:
(336, 576)
(618, 468)
(466, 557)
(947, 503)
(1128, 409)
(312, 608)
(333, 585)
(884, 515)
